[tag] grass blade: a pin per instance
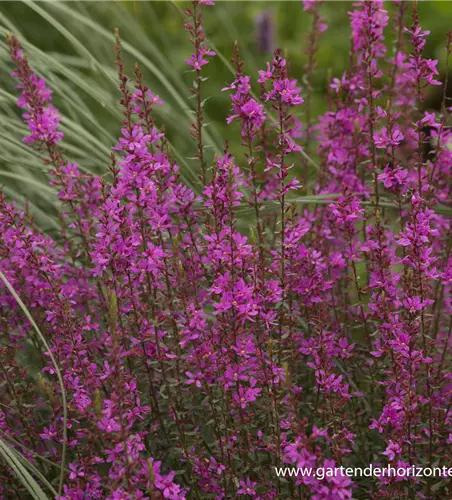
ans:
(10, 457)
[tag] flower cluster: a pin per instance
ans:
(204, 338)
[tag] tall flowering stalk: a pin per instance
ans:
(200, 348)
(198, 59)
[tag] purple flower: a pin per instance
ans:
(109, 425)
(392, 450)
(247, 487)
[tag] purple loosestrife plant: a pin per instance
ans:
(197, 355)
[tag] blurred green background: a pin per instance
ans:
(71, 44)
